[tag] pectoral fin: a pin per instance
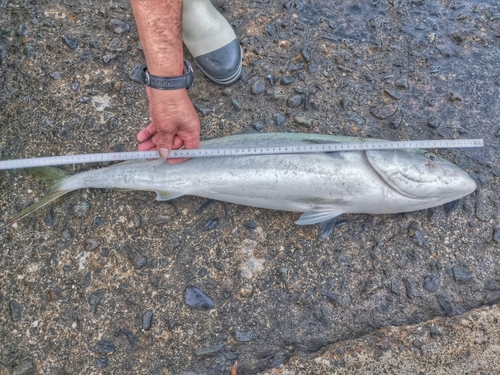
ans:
(167, 195)
(326, 215)
(319, 214)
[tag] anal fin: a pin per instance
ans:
(327, 226)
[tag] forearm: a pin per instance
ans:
(159, 23)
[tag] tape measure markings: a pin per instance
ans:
(212, 152)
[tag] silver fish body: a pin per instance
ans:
(322, 185)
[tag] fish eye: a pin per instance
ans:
(431, 156)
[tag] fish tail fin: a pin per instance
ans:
(53, 177)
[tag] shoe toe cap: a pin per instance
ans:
(223, 65)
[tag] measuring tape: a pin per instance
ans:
(299, 148)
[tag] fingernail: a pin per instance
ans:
(163, 152)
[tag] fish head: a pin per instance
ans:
(421, 175)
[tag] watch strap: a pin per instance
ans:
(184, 81)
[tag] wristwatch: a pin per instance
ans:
(169, 83)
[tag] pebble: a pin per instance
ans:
(279, 119)
(431, 283)
(75, 85)
(137, 73)
(56, 75)
(491, 285)
(202, 108)
(294, 101)
(147, 320)
(451, 206)
(139, 260)
(104, 347)
(402, 83)
(208, 351)
(307, 100)
(86, 279)
(299, 66)
(446, 306)
(461, 274)
(258, 87)
(303, 120)
(66, 268)
(91, 244)
(107, 58)
(312, 68)
(244, 336)
(484, 210)
(61, 133)
(395, 288)
(434, 122)
(435, 332)
(210, 224)
(357, 119)
(306, 54)
(68, 234)
(71, 43)
(49, 217)
(246, 290)
(250, 225)
(332, 298)
(95, 298)
(459, 309)
(236, 104)
(409, 287)
(272, 79)
(384, 112)
(118, 26)
(197, 300)
(395, 94)
(496, 236)
(129, 335)
(15, 310)
(114, 42)
(29, 51)
(454, 97)
(24, 367)
(284, 273)
(97, 222)
(102, 362)
(420, 240)
(287, 80)
(258, 125)
(81, 209)
(280, 95)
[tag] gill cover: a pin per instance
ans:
(411, 172)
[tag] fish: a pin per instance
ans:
(322, 186)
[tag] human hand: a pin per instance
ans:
(174, 124)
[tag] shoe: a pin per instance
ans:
(211, 41)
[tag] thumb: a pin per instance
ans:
(164, 143)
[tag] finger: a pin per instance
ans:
(164, 143)
(146, 133)
(177, 160)
(177, 143)
(192, 140)
(146, 146)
